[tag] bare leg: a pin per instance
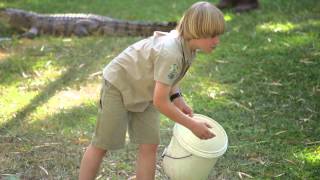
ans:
(90, 163)
(146, 161)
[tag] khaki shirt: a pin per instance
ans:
(163, 57)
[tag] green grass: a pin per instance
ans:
(262, 84)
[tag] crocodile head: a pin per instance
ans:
(17, 18)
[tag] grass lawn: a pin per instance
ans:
(262, 84)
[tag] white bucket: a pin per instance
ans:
(189, 158)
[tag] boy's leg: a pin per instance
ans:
(109, 133)
(90, 163)
(144, 129)
(146, 161)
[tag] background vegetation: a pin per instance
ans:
(262, 84)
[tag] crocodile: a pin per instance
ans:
(78, 24)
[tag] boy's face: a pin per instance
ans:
(205, 44)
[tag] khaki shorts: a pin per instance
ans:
(114, 120)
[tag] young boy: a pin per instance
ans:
(142, 81)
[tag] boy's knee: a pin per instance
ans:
(148, 147)
(96, 150)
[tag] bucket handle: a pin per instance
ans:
(164, 154)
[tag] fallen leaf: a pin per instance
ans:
(242, 175)
(44, 170)
(95, 74)
(312, 143)
(275, 83)
(290, 161)
(82, 140)
(280, 132)
(279, 175)
(259, 160)
(306, 61)
(221, 61)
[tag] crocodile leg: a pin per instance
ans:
(80, 31)
(85, 27)
(32, 33)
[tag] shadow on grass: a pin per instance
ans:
(79, 60)
(41, 98)
(81, 118)
(73, 76)
(49, 148)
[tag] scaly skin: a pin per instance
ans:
(78, 24)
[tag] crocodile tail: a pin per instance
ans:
(136, 28)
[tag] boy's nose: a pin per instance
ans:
(216, 40)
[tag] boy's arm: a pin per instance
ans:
(162, 102)
(179, 101)
(175, 89)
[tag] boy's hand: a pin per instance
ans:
(180, 103)
(201, 130)
(178, 111)
(187, 110)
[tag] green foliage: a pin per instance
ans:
(262, 84)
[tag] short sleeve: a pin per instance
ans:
(167, 67)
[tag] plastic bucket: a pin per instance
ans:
(189, 158)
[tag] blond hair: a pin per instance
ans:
(201, 20)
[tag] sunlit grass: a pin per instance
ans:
(312, 22)
(311, 156)
(19, 94)
(277, 27)
(228, 17)
(3, 56)
(65, 100)
(12, 100)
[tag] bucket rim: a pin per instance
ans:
(200, 152)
